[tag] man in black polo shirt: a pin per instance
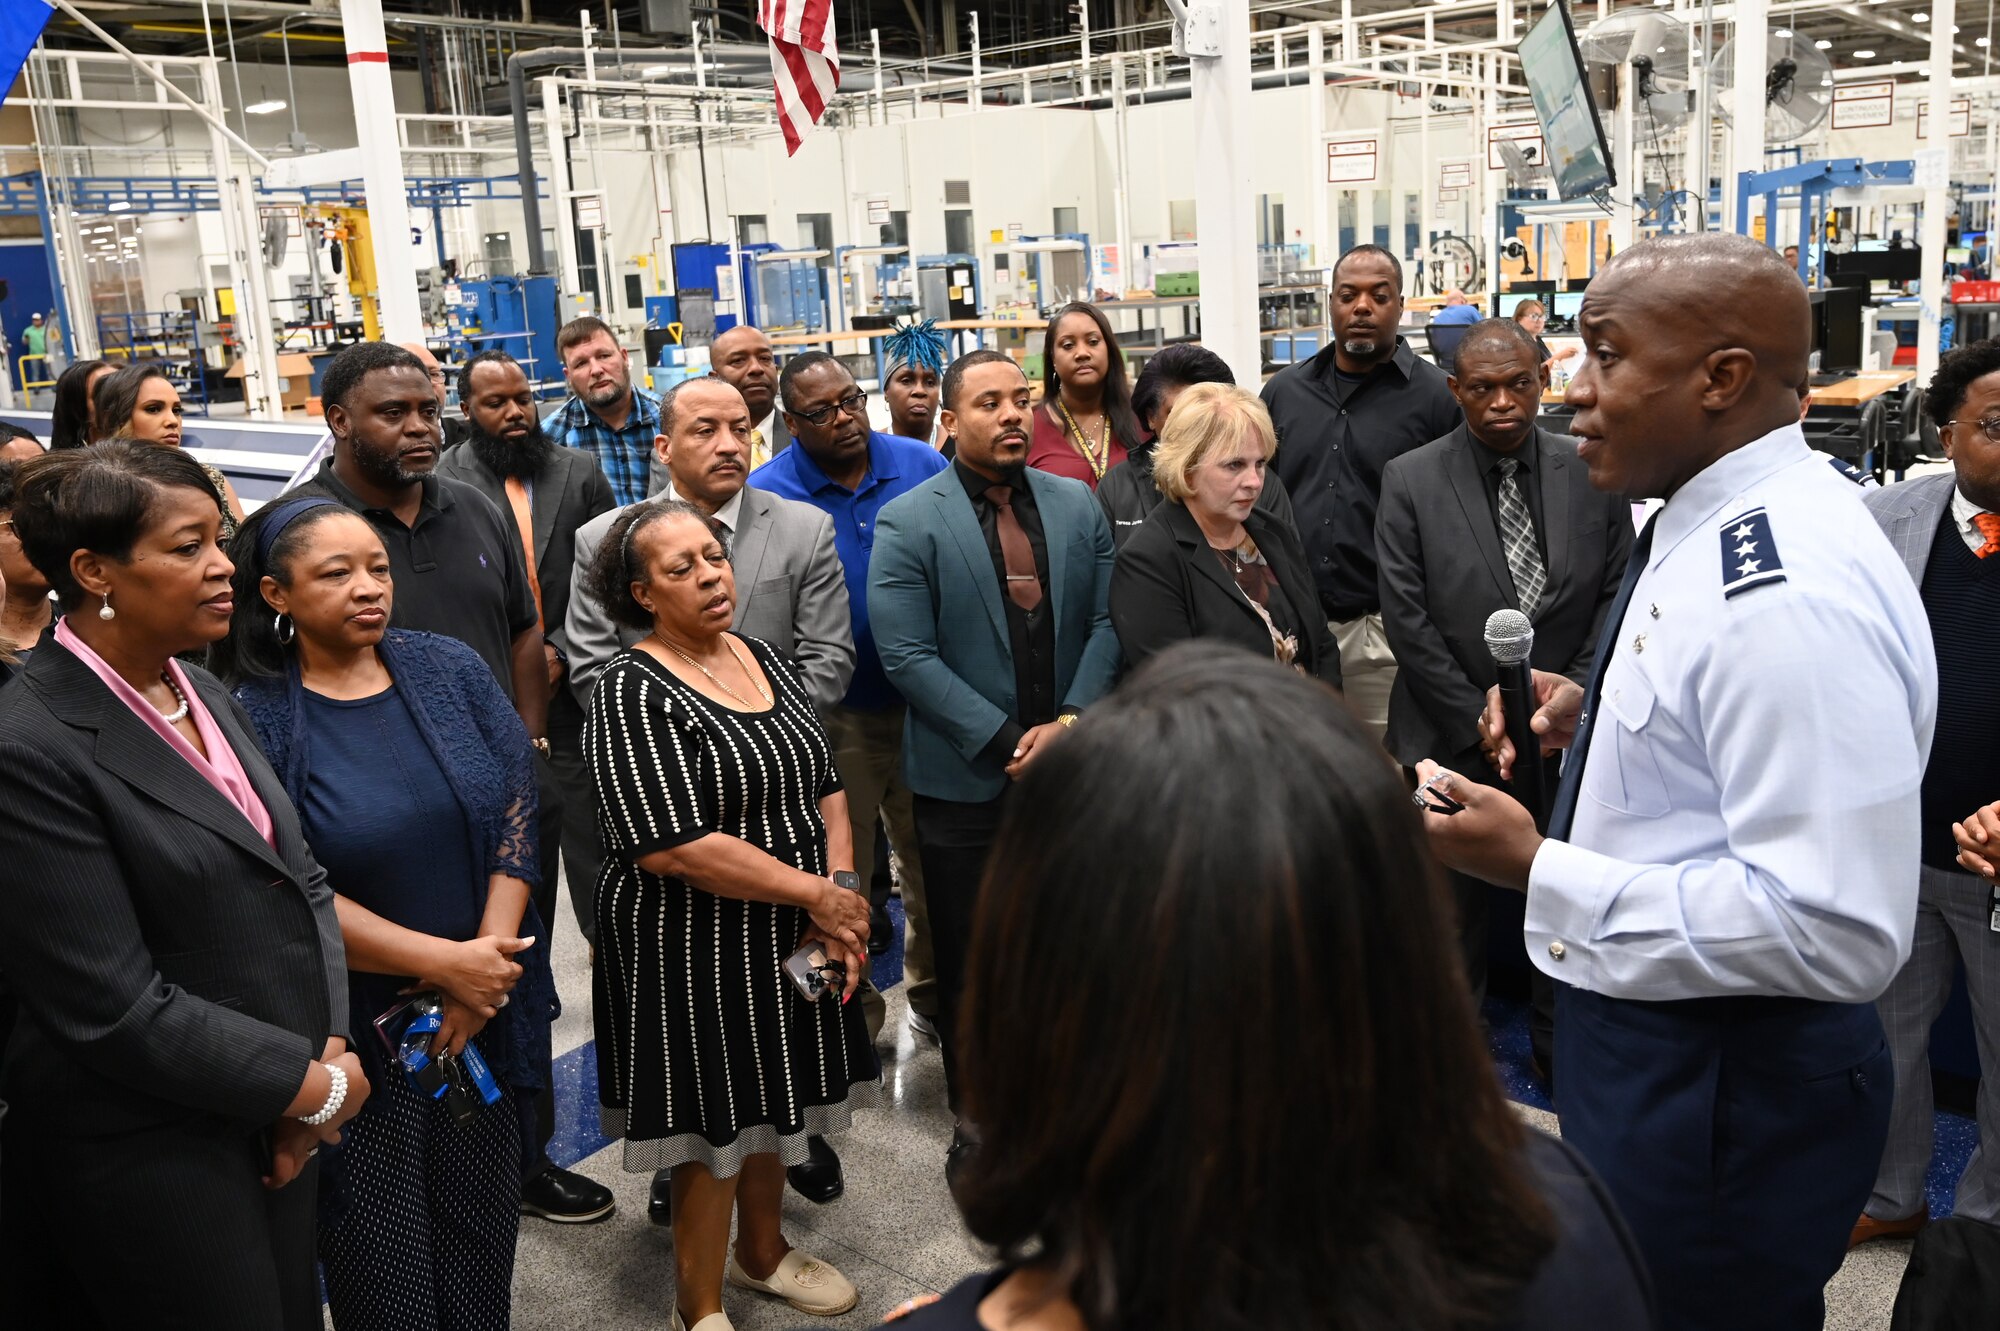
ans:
(458, 571)
(1341, 417)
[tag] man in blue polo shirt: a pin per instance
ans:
(849, 472)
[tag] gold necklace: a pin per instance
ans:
(1098, 462)
(748, 706)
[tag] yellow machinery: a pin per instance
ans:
(347, 226)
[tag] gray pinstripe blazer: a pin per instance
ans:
(171, 967)
(1909, 514)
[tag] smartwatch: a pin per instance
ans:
(848, 879)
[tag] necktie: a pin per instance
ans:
(1517, 537)
(524, 519)
(1024, 585)
(1989, 527)
(1564, 812)
(760, 452)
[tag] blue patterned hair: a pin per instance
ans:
(918, 344)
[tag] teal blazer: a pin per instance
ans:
(935, 606)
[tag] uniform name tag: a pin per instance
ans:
(1749, 554)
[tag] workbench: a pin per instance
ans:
(1859, 419)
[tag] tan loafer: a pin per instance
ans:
(1867, 1229)
(805, 1282)
(712, 1322)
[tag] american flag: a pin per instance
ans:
(805, 63)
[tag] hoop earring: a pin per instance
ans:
(105, 611)
(284, 630)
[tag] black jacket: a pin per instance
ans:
(1129, 496)
(1168, 586)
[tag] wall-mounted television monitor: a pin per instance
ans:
(1578, 154)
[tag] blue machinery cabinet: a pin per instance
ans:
(517, 315)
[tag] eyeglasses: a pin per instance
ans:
(853, 404)
(1990, 427)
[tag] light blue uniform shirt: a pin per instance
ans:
(1747, 822)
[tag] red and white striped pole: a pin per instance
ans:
(382, 171)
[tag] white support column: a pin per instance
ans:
(1934, 174)
(1694, 171)
(1217, 39)
(382, 170)
(1625, 147)
(562, 213)
(1322, 238)
(1746, 108)
(1121, 180)
(978, 72)
(243, 251)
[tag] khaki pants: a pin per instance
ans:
(1367, 669)
(868, 754)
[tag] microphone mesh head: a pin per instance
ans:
(1509, 636)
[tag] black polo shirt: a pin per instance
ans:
(457, 569)
(1032, 637)
(1334, 440)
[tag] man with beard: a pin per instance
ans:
(985, 550)
(1341, 417)
(604, 415)
(459, 569)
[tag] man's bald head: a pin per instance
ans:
(430, 363)
(742, 355)
(1694, 346)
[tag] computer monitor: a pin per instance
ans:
(1837, 328)
(1563, 310)
(1578, 153)
(1904, 265)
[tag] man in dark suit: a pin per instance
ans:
(989, 594)
(548, 492)
(1497, 514)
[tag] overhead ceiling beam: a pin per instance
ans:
(1909, 32)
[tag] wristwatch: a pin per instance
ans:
(540, 746)
(848, 879)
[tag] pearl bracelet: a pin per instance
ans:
(334, 1097)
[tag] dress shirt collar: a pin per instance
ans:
(976, 485)
(1696, 502)
(1490, 457)
(436, 496)
(882, 466)
(730, 515)
(1404, 359)
(644, 411)
(1963, 511)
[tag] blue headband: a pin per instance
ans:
(918, 344)
(283, 515)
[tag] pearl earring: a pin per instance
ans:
(105, 611)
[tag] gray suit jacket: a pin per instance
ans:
(789, 592)
(934, 604)
(1443, 571)
(568, 494)
(1909, 514)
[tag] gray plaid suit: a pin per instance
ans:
(1951, 925)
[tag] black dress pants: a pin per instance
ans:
(953, 842)
(549, 832)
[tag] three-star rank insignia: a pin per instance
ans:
(1749, 554)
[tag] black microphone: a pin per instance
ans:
(1510, 637)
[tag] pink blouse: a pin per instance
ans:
(221, 768)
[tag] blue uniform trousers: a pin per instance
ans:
(1740, 1138)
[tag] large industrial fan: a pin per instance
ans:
(1798, 85)
(1656, 47)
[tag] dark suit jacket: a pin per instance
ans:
(172, 968)
(1443, 571)
(1169, 587)
(934, 603)
(580, 493)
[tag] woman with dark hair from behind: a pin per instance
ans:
(182, 1054)
(414, 777)
(1310, 1136)
(140, 402)
(1084, 426)
(74, 420)
(1127, 492)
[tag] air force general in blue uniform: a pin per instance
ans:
(1730, 880)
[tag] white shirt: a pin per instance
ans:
(729, 515)
(1748, 819)
(1963, 511)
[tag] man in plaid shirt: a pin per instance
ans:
(605, 415)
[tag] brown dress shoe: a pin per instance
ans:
(1867, 1229)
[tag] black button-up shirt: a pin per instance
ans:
(1031, 635)
(458, 568)
(1334, 440)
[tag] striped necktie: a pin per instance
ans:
(1517, 537)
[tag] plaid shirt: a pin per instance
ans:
(624, 454)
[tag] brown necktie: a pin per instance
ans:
(1024, 585)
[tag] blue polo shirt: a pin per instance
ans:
(896, 466)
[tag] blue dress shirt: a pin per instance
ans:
(895, 467)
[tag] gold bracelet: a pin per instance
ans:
(1066, 719)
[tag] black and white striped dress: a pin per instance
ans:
(706, 1053)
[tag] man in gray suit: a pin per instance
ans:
(1946, 527)
(1497, 514)
(790, 592)
(989, 592)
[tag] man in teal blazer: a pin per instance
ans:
(988, 592)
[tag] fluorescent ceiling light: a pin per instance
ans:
(1920, 17)
(1864, 55)
(656, 71)
(1823, 44)
(265, 107)
(122, 206)
(1780, 32)
(101, 230)
(1979, 41)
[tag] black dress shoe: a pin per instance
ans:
(565, 1197)
(660, 1201)
(818, 1179)
(881, 933)
(964, 1146)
